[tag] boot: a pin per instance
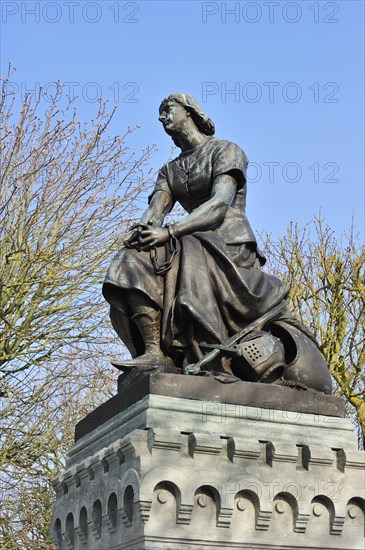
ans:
(148, 324)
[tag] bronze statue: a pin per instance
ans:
(192, 294)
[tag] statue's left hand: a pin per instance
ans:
(152, 237)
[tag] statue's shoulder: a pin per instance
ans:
(217, 143)
(165, 167)
(226, 147)
(170, 162)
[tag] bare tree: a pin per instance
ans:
(66, 197)
(68, 191)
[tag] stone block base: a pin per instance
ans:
(175, 472)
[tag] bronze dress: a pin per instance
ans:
(215, 285)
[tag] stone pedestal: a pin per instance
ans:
(178, 462)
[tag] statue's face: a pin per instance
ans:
(173, 117)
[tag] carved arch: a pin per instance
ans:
(355, 516)
(70, 529)
(291, 502)
(336, 522)
(172, 488)
(207, 507)
(262, 516)
(56, 532)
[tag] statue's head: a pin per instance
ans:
(176, 109)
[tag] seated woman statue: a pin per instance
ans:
(199, 280)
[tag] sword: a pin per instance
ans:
(258, 323)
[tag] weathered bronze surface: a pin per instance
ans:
(192, 295)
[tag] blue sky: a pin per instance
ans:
(284, 80)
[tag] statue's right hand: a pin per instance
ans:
(134, 240)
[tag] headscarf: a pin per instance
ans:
(200, 118)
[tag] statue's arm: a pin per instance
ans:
(207, 216)
(210, 214)
(160, 205)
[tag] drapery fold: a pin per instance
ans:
(211, 291)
